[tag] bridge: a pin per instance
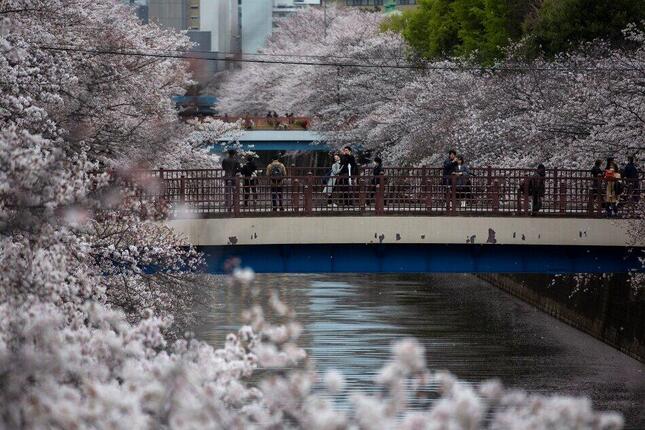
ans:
(405, 220)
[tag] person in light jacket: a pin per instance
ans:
(331, 182)
(612, 177)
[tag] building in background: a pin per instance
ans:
(256, 24)
(169, 13)
(379, 3)
(282, 8)
(140, 9)
(236, 26)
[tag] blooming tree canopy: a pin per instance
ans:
(371, 90)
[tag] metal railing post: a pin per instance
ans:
(525, 196)
(453, 194)
(295, 195)
(562, 197)
(427, 191)
(182, 189)
(361, 193)
(379, 204)
(308, 189)
(494, 196)
(555, 188)
(236, 196)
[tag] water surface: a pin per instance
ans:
(467, 327)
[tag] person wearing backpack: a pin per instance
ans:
(276, 172)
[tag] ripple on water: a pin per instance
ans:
(468, 327)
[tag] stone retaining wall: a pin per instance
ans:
(608, 309)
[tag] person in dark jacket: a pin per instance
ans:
(377, 171)
(276, 173)
(596, 182)
(346, 176)
(462, 180)
(231, 168)
(449, 166)
(537, 188)
(249, 172)
(632, 181)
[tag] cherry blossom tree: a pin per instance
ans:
(565, 111)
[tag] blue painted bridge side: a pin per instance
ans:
(424, 258)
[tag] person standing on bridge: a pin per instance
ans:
(537, 188)
(276, 172)
(449, 166)
(614, 187)
(377, 173)
(348, 170)
(231, 168)
(249, 171)
(462, 180)
(331, 181)
(632, 182)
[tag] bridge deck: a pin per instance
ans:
(414, 244)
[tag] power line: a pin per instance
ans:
(236, 60)
(332, 64)
(254, 54)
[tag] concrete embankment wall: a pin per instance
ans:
(608, 309)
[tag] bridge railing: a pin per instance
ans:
(399, 191)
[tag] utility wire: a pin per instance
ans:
(254, 54)
(332, 64)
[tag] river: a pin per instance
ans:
(467, 326)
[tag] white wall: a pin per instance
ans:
(405, 229)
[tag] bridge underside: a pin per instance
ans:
(423, 258)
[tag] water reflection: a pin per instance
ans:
(468, 327)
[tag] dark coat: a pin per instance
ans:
(231, 167)
(345, 162)
(449, 166)
(248, 169)
(630, 171)
(536, 184)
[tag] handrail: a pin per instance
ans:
(399, 191)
